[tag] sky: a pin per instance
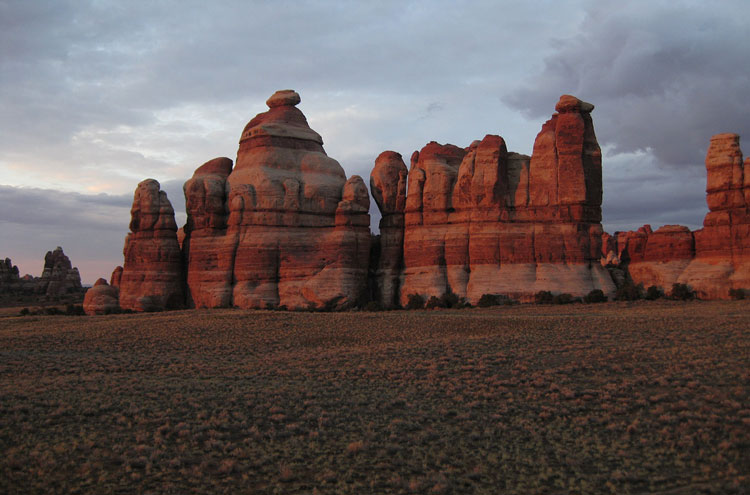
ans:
(97, 95)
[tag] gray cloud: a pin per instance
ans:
(97, 95)
(664, 78)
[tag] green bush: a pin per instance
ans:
(595, 296)
(737, 294)
(681, 292)
(653, 293)
(415, 301)
(543, 297)
(488, 300)
(25, 312)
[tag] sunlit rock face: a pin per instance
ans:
(656, 257)
(482, 220)
(284, 227)
(152, 275)
(722, 246)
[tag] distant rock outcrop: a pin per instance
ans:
(59, 282)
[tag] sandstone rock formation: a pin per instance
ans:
(59, 282)
(101, 299)
(722, 246)
(656, 257)
(59, 277)
(152, 275)
(283, 228)
(388, 187)
(483, 220)
(711, 260)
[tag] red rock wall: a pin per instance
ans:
(483, 220)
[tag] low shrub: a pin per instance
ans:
(563, 298)
(25, 312)
(681, 292)
(653, 293)
(488, 300)
(74, 310)
(629, 291)
(373, 306)
(434, 302)
(737, 294)
(595, 296)
(414, 301)
(543, 297)
(449, 300)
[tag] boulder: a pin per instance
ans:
(101, 299)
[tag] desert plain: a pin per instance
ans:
(641, 397)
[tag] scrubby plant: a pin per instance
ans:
(629, 291)
(74, 310)
(414, 301)
(449, 300)
(681, 292)
(434, 302)
(595, 296)
(737, 294)
(543, 297)
(563, 298)
(653, 293)
(25, 312)
(488, 300)
(373, 306)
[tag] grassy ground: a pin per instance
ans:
(612, 398)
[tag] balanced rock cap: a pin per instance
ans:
(570, 103)
(283, 98)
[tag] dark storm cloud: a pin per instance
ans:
(663, 78)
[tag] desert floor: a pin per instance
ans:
(646, 397)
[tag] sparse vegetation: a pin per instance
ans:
(564, 298)
(653, 293)
(737, 294)
(543, 297)
(595, 296)
(415, 301)
(681, 292)
(606, 398)
(628, 291)
(488, 300)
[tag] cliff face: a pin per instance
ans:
(482, 220)
(284, 227)
(722, 246)
(711, 260)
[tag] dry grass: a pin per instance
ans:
(612, 398)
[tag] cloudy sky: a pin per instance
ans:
(96, 95)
